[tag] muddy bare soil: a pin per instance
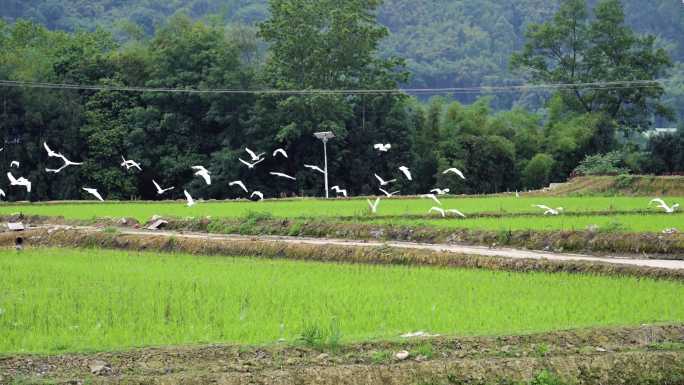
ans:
(647, 354)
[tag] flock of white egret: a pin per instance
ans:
(256, 158)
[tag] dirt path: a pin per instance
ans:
(456, 249)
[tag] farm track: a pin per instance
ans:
(452, 249)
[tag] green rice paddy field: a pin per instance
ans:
(56, 300)
(613, 209)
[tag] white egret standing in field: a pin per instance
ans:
(339, 191)
(93, 192)
(238, 183)
(160, 190)
(548, 210)
(281, 152)
(129, 164)
(431, 196)
(406, 172)
(455, 171)
(661, 204)
(382, 147)
(387, 193)
(281, 175)
(374, 205)
(188, 197)
(19, 182)
(255, 157)
(258, 194)
(384, 182)
(440, 191)
(204, 173)
(251, 165)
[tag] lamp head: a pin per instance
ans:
(324, 136)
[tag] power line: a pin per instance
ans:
(411, 91)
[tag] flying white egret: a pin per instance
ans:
(383, 182)
(238, 183)
(258, 194)
(373, 205)
(406, 172)
(280, 151)
(454, 211)
(191, 202)
(14, 164)
(440, 191)
(2, 193)
(455, 171)
(19, 182)
(315, 168)
(382, 147)
(281, 175)
(204, 173)
(548, 210)
(52, 154)
(339, 191)
(431, 196)
(388, 194)
(93, 192)
(129, 164)
(438, 210)
(661, 204)
(251, 165)
(254, 155)
(160, 190)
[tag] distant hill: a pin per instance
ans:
(447, 43)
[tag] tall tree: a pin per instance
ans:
(574, 48)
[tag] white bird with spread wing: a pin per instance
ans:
(431, 196)
(382, 147)
(661, 204)
(315, 168)
(387, 193)
(19, 182)
(251, 165)
(281, 152)
(93, 192)
(188, 197)
(240, 184)
(374, 205)
(204, 173)
(445, 212)
(455, 171)
(339, 191)
(281, 175)
(384, 182)
(160, 190)
(255, 157)
(52, 154)
(548, 210)
(2, 193)
(258, 194)
(129, 164)
(14, 164)
(440, 191)
(406, 172)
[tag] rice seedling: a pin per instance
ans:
(56, 300)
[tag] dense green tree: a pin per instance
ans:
(574, 48)
(537, 172)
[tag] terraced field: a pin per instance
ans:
(56, 300)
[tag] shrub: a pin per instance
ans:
(602, 164)
(537, 172)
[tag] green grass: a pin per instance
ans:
(321, 208)
(56, 300)
(627, 222)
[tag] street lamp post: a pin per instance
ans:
(324, 137)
